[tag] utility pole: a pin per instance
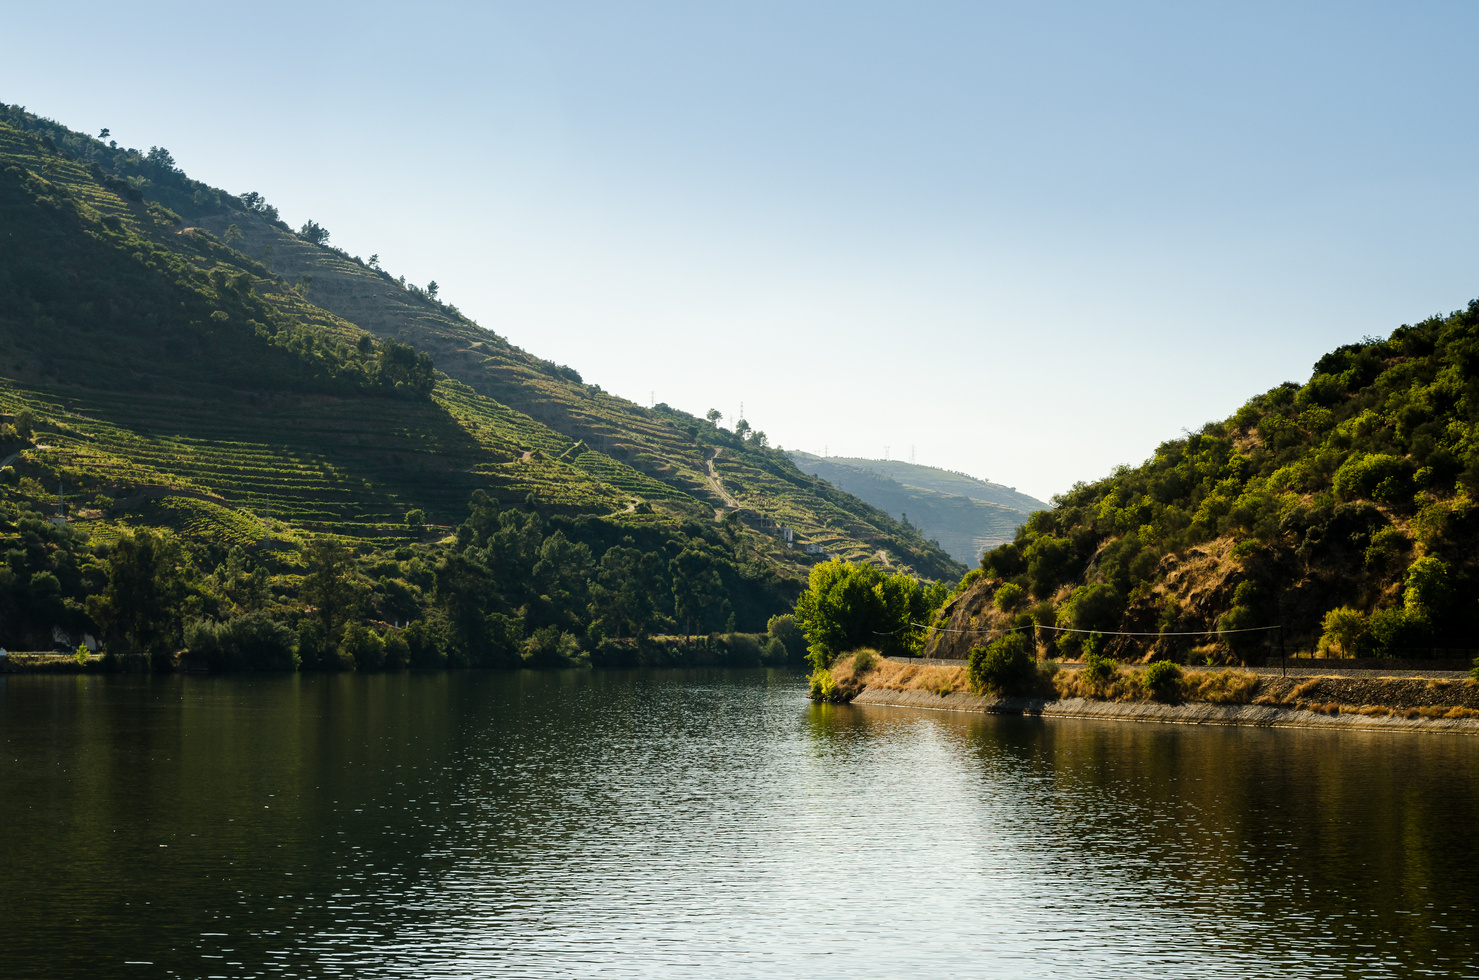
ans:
(911, 454)
(885, 453)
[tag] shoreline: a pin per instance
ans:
(1194, 713)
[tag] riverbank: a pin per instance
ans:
(1203, 697)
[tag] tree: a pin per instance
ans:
(1343, 630)
(432, 288)
(232, 236)
(374, 262)
(624, 596)
(742, 428)
(849, 606)
(144, 598)
(759, 439)
(314, 232)
(328, 589)
(697, 588)
(714, 415)
(105, 133)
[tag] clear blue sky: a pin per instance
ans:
(1031, 240)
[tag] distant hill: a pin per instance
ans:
(175, 356)
(966, 515)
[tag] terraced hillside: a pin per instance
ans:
(500, 419)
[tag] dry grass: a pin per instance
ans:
(1206, 686)
(853, 672)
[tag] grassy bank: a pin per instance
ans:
(1409, 697)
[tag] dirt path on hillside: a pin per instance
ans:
(717, 485)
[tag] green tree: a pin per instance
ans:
(327, 588)
(849, 606)
(432, 289)
(144, 599)
(314, 232)
(698, 592)
(714, 415)
(625, 593)
(1343, 630)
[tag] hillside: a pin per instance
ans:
(1340, 509)
(169, 377)
(964, 514)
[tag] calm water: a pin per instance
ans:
(705, 824)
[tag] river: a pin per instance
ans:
(705, 823)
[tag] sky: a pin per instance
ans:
(1029, 242)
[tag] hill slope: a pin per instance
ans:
(1350, 494)
(167, 379)
(673, 449)
(964, 514)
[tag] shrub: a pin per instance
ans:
(1162, 680)
(1099, 672)
(1393, 630)
(1010, 597)
(550, 646)
(743, 648)
(784, 629)
(823, 686)
(365, 646)
(864, 660)
(1004, 667)
(1343, 630)
(397, 651)
(773, 652)
(254, 641)
(8, 476)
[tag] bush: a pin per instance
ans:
(1162, 681)
(1343, 630)
(864, 661)
(254, 641)
(1004, 667)
(773, 652)
(1099, 672)
(1010, 597)
(365, 646)
(823, 686)
(397, 651)
(550, 646)
(784, 629)
(427, 643)
(743, 648)
(1394, 630)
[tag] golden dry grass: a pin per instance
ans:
(855, 671)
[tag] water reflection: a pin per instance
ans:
(676, 822)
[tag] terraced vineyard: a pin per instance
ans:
(197, 346)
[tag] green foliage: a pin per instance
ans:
(1004, 667)
(1162, 680)
(1099, 672)
(365, 647)
(1395, 631)
(144, 600)
(783, 630)
(847, 606)
(1343, 631)
(254, 641)
(822, 686)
